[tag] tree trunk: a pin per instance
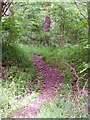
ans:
(88, 8)
(47, 23)
(12, 10)
(0, 10)
(62, 34)
(62, 42)
(0, 39)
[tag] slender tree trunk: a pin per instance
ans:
(62, 34)
(88, 9)
(47, 20)
(0, 10)
(89, 20)
(12, 10)
(0, 39)
(62, 40)
(47, 23)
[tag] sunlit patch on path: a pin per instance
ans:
(52, 79)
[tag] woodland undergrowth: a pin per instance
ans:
(18, 74)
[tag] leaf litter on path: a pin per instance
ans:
(52, 79)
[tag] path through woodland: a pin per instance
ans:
(52, 80)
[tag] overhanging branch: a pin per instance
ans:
(79, 10)
(7, 7)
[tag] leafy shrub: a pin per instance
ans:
(9, 30)
(75, 55)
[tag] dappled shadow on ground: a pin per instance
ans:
(52, 79)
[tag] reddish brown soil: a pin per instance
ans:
(52, 79)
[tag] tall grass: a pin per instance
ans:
(66, 105)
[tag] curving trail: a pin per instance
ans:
(52, 79)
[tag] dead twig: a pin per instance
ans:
(77, 79)
(79, 10)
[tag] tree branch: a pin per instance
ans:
(4, 5)
(77, 79)
(0, 11)
(7, 8)
(79, 10)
